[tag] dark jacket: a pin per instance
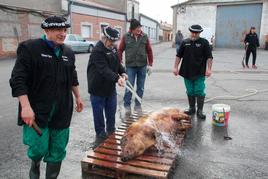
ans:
(178, 38)
(253, 40)
(47, 80)
(103, 70)
(194, 55)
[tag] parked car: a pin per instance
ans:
(78, 44)
(207, 34)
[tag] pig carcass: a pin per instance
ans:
(142, 134)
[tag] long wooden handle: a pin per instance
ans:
(36, 128)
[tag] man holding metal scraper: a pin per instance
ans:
(103, 72)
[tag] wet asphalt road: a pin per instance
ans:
(205, 153)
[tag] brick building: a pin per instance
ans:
(89, 17)
(20, 20)
(165, 32)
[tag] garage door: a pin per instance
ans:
(234, 21)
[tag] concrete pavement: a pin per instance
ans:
(205, 153)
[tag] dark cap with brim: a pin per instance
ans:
(196, 29)
(55, 22)
(111, 34)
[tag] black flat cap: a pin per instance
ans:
(196, 29)
(55, 22)
(111, 33)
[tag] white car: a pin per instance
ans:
(78, 44)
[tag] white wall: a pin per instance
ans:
(152, 26)
(264, 23)
(136, 9)
(204, 15)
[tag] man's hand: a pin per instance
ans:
(79, 105)
(208, 73)
(176, 71)
(27, 115)
(124, 75)
(149, 70)
(121, 81)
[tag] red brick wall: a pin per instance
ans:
(77, 19)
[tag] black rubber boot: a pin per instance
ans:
(191, 101)
(200, 104)
(35, 170)
(53, 170)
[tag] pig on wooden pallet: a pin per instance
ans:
(143, 134)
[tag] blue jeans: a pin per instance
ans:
(101, 106)
(140, 73)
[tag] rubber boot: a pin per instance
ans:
(53, 170)
(191, 101)
(200, 104)
(35, 170)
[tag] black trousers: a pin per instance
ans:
(254, 54)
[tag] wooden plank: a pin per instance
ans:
(126, 168)
(115, 136)
(135, 163)
(119, 133)
(122, 127)
(142, 158)
(111, 146)
(120, 130)
(89, 169)
(112, 141)
(148, 152)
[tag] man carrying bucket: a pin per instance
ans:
(196, 57)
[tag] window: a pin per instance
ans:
(86, 31)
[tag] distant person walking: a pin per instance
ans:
(178, 40)
(252, 43)
(196, 62)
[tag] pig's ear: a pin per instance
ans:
(180, 116)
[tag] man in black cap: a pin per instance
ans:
(138, 61)
(196, 58)
(43, 79)
(252, 43)
(103, 72)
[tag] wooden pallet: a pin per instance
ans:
(105, 159)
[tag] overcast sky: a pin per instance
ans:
(158, 9)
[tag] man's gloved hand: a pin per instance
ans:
(149, 70)
(247, 44)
